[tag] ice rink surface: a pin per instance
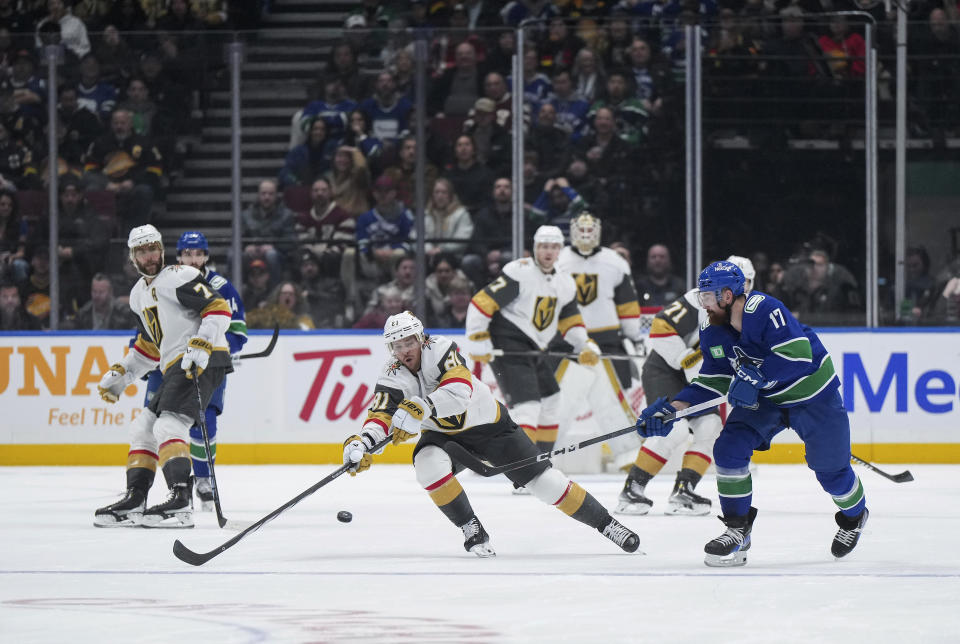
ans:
(398, 572)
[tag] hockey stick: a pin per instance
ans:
(553, 354)
(187, 555)
(268, 350)
(222, 520)
(903, 477)
(467, 459)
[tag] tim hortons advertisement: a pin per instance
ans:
(900, 387)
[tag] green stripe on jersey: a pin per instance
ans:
(734, 487)
(199, 452)
(847, 501)
(719, 384)
(237, 327)
(796, 349)
(808, 386)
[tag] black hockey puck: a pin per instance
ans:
(344, 517)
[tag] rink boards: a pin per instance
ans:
(297, 406)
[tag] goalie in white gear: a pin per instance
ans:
(426, 388)
(182, 323)
(673, 361)
(608, 303)
(521, 312)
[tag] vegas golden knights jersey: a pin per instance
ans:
(169, 312)
(526, 302)
(456, 400)
(605, 293)
(674, 332)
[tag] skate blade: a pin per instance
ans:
(686, 510)
(521, 491)
(110, 521)
(483, 550)
(180, 520)
(635, 509)
(738, 558)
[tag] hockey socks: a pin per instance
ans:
(448, 495)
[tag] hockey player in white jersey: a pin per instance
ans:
(426, 388)
(611, 313)
(182, 322)
(673, 362)
(521, 312)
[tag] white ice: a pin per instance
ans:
(398, 572)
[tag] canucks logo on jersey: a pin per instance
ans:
(543, 312)
(742, 358)
(586, 287)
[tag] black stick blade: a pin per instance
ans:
(187, 555)
(903, 477)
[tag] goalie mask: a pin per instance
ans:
(749, 273)
(399, 326)
(145, 237)
(585, 233)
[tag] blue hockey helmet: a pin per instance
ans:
(192, 239)
(718, 276)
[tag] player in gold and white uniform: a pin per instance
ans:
(425, 387)
(675, 360)
(519, 313)
(182, 322)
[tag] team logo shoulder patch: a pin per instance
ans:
(717, 351)
(394, 368)
(218, 281)
(753, 303)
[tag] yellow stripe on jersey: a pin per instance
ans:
(572, 500)
(567, 323)
(628, 309)
(615, 383)
(459, 373)
(141, 458)
(479, 336)
(447, 492)
(485, 303)
(661, 327)
(381, 416)
(601, 329)
(147, 347)
(218, 305)
(173, 449)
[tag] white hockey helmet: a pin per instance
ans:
(400, 326)
(746, 267)
(548, 235)
(145, 235)
(585, 233)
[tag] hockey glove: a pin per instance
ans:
(480, 347)
(197, 353)
(589, 355)
(743, 394)
(651, 421)
(356, 455)
(113, 383)
(751, 374)
(408, 418)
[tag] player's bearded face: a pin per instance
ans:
(149, 259)
(193, 257)
(718, 311)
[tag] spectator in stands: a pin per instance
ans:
(322, 291)
(13, 263)
(559, 49)
(845, 50)
(13, 317)
(334, 108)
(126, 164)
(84, 234)
(619, 37)
(285, 307)
(443, 49)
(256, 290)
(343, 65)
(404, 273)
(102, 310)
(349, 178)
(471, 179)
(516, 11)
(533, 179)
(795, 55)
(93, 13)
(820, 291)
(937, 68)
(537, 86)
(458, 88)
(16, 161)
(387, 110)
(492, 140)
(947, 305)
(628, 112)
(493, 223)
(588, 75)
(659, 286)
(453, 315)
(73, 32)
(446, 218)
(329, 232)
(128, 16)
(650, 77)
(500, 56)
(270, 224)
(94, 93)
(609, 160)
(559, 204)
(82, 127)
(920, 290)
(402, 68)
(35, 290)
(178, 18)
(383, 232)
(774, 282)
(15, 18)
(390, 302)
(168, 80)
(213, 14)
(571, 109)
(443, 270)
(115, 57)
(310, 160)
(623, 251)
(148, 121)
(549, 141)
(404, 173)
(28, 89)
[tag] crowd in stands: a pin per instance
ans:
(328, 238)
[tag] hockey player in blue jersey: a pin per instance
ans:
(776, 374)
(193, 250)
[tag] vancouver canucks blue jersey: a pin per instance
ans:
(237, 331)
(788, 353)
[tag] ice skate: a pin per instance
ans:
(849, 533)
(632, 499)
(204, 493)
(476, 538)
(730, 548)
(175, 512)
(621, 535)
(125, 513)
(685, 502)
(519, 490)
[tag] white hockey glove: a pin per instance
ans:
(480, 347)
(408, 418)
(197, 353)
(690, 362)
(356, 449)
(113, 383)
(589, 354)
